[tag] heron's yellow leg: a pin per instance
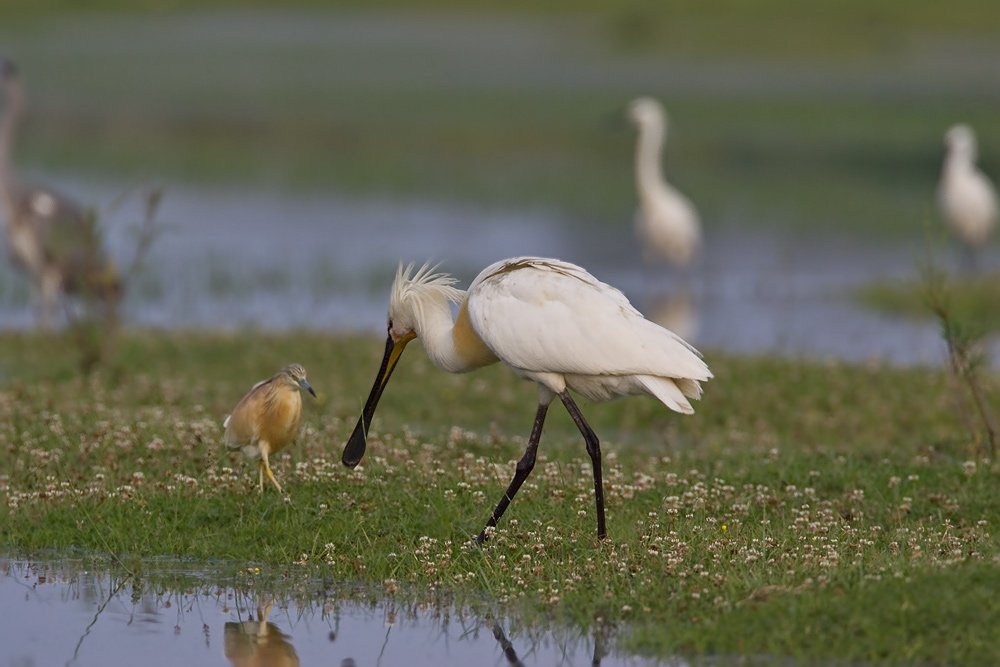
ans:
(260, 469)
(267, 467)
(263, 619)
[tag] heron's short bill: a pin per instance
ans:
(305, 385)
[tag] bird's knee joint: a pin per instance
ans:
(524, 466)
(594, 448)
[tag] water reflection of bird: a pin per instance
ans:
(258, 643)
(967, 199)
(550, 322)
(510, 653)
(674, 310)
(667, 223)
(508, 649)
(49, 236)
(267, 418)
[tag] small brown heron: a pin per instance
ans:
(267, 419)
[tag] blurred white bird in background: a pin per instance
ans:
(967, 199)
(550, 322)
(667, 223)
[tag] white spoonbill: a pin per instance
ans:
(549, 321)
(966, 197)
(667, 223)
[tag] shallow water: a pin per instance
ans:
(232, 259)
(60, 613)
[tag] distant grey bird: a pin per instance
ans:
(667, 223)
(49, 236)
(967, 199)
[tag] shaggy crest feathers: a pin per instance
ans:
(294, 371)
(423, 287)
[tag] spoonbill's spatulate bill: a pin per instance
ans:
(550, 322)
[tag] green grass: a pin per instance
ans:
(810, 510)
(972, 299)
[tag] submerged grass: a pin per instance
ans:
(808, 509)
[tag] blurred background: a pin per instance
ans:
(306, 147)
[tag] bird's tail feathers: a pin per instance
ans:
(690, 388)
(672, 392)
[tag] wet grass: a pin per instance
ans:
(810, 510)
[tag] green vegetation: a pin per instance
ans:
(972, 299)
(770, 27)
(814, 510)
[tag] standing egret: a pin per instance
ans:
(550, 322)
(267, 418)
(667, 223)
(966, 197)
(49, 236)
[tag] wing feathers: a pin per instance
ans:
(549, 316)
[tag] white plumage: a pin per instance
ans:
(550, 322)
(666, 223)
(554, 323)
(967, 199)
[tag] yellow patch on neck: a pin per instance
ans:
(468, 345)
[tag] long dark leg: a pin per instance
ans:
(524, 467)
(508, 648)
(594, 449)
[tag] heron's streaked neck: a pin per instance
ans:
(648, 172)
(12, 110)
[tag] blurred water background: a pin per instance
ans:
(305, 152)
